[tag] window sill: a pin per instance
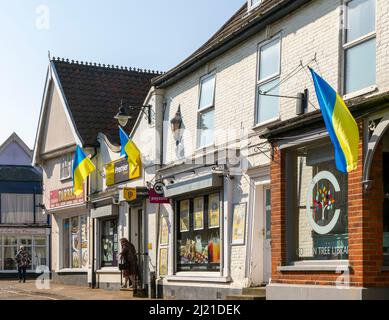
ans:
(108, 270)
(73, 271)
(198, 277)
(361, 92)
(65, 179)
(313, 266)
(202, 149)
(265, 123)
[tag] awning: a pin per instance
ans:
(197, 184)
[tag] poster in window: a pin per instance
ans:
(163, 261)
(214, 211)
(184, 215)
(84, 242)
(164, 231)
(239, 224)
(198, 214)
(76, 243)
(214, 248)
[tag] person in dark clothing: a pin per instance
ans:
(129, 263)
(23, 261)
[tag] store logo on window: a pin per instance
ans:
(323, 202)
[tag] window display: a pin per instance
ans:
(320, 211)
(9, 245)
(109, 243)
(75, 243)
(199, 246)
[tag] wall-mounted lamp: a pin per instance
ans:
(176, 125)
(124, 114)
(43, 207)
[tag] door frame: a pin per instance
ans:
(254, 270)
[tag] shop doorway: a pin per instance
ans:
(136, 238)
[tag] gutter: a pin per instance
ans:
(246, 32)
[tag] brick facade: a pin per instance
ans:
(365, 227)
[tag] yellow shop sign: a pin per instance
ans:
(129, 194)
(121, 171)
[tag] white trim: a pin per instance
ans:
(199, 278)
(52, 78)
(360, 92)
(251, 6)
(70, 270)
(267, 122)
(360, 40)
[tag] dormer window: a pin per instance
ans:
(253, 3)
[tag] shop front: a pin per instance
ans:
(195, 239)
(70, 237)
(329, 229)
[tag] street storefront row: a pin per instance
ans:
(330, 230)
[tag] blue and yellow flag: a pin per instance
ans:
(82, 168)
(341, 125)
(129, 149)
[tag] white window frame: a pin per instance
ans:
(262, 82)
(352, 44)
(205, 109)
(66, 162)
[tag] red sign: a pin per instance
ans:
(64, 197)
(154, 197)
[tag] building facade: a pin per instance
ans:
(79, 106)
(22, 220)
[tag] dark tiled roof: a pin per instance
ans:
(94, 92)
(20, 173)
(237, 24)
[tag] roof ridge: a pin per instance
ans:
(107, 66)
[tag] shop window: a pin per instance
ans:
(360, 45)
(206, 112)
(198, 233)
(268, 105)
(36, 246)
(317, 205)
(66, 167)
(17, 208)
(75, 243)
(109, 243)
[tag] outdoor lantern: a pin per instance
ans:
(123, 116)
(176, 122)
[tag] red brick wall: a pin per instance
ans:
(365, 219)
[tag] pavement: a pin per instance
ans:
(32, 290)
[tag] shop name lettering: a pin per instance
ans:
(121, 169)
(197, 310)
(323, 251)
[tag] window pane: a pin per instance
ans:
(10, 241)
(361, 66)
(27, 241)
(206, 128)
(270, 59)
(66, 244)
(39, 258)
(84, 242)
(268, 107)
(268, 213)
(360, 18)
(76, 243)
(109, 243)
(321, 212)
(17, 208)
(9, 258)
(39, 241)
(207, 92)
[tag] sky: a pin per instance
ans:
(153, 34)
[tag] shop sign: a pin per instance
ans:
(120, 171)
(156, 194)
(22, 232)
(129, 194)
(64, 197)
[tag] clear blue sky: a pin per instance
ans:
(154, 34)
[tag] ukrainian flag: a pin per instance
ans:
(130, 150)
(82, 168)
(341, 125)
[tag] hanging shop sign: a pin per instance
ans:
(156, 194)
(129, 194)
(64, 197)
(120, 171)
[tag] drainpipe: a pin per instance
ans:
(93, 237)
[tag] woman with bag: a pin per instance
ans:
(129, 263)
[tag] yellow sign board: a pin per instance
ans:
(121, 171)
(129, 194)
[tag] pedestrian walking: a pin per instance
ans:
(23, 261)
(129, 263)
